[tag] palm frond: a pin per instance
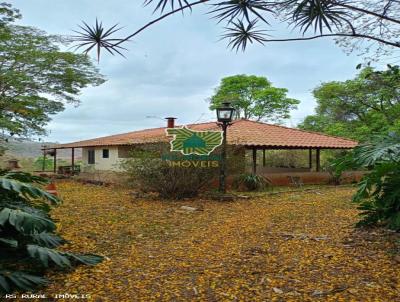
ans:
(87, 259)
(48, 240)
(240, 9)
(317, 14)
(11, 183)
(46, 256)
(378, 151)
(97, 37)
(162, 4)
(24, 222)
(24, 177)
(8, 242)
(10, 280)
(240, 35)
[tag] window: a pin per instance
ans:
(91, 159)
(106, 153)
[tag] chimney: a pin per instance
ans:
(170, 122)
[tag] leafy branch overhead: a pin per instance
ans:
(351, 23)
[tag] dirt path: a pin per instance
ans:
(290, 247)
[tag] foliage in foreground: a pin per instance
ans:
(378, 192)
(28, 238)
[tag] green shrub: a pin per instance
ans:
(149, 174)
(378, 192)
(48, 163)
(331, 158)
(28, 234)
(37, 165)
(251, 182)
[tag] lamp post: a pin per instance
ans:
(224, 117)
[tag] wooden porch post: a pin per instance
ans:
(264, 157)
(254, 161)
(318, 160)
(73, 160)
(55, 161)
(44, 160)
(310, 158)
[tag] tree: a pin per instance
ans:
(357, 108)
(8, 13)
(253, 97)
(28, 238)
(36, 78)
(375, 23)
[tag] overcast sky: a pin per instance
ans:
(174, 66)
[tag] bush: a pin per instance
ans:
(330, 166)
(48, 163)
(378, 192)
(28, 238)
(251, 182)
(37, 165)
(155, 175)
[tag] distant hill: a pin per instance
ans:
(23, 148)
(32, 149)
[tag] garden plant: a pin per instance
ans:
(28, 235)
(378, 192)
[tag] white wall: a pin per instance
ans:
(103, 164)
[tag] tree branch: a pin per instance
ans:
(361, 10)
(159, 19)
(397, 44)
(347, 6)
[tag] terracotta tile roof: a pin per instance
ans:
(241, 132)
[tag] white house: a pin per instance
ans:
(106, 153)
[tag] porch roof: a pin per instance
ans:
(242, 132)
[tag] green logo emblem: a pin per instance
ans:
(189, 142)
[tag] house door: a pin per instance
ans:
(91, 157)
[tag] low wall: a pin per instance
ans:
(263, 170)
(282, 179)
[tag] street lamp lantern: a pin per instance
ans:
(225, 113)
(224, 116)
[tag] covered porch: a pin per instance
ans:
(310, 170)
(51, 153)
(259, 162)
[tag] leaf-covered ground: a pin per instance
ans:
(287, 247)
